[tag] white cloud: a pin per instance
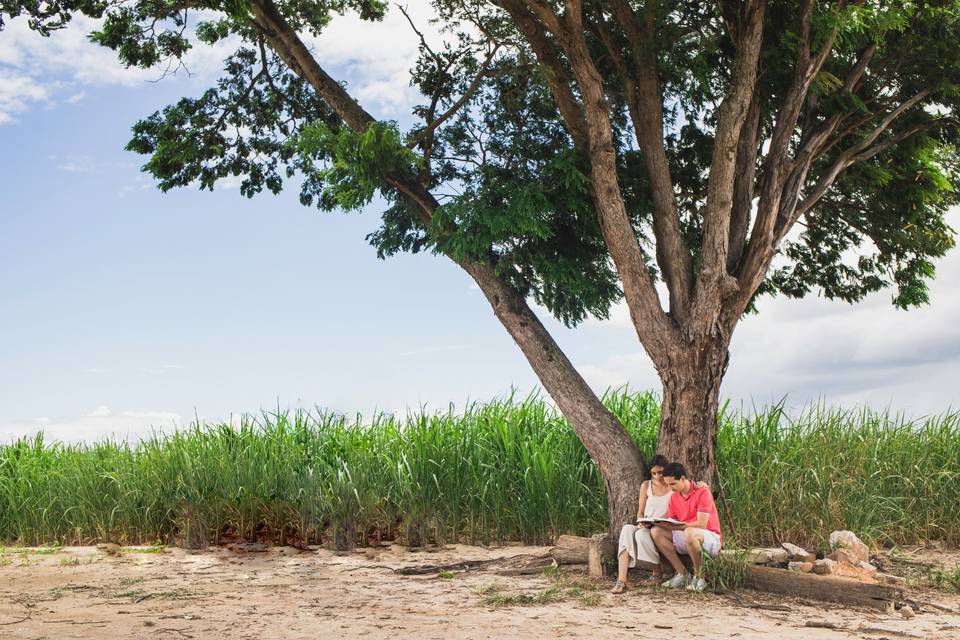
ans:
(375, 57)
(99, 425)
(377, 70)
(35, 70)
(17, 92)
(75, 164)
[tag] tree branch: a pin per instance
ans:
(748, 149)
(713, 274)
(646, 112)
(456, 106)
(777, 165)
(850, 158)
(600, 431)
(558, 79)
(652, 325)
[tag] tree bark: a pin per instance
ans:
(688, 414)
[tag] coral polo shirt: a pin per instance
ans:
(686, 507)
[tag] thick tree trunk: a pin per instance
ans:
(688, 416)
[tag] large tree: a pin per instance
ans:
(583, 152)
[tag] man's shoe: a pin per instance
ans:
(697, 584)
(676, 582)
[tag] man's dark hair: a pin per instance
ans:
(674, 470)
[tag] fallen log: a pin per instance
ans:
(823, 588)
(571, 550)
(536, 563)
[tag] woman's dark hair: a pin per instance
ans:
(656, 461)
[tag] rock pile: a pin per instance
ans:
(849, 557)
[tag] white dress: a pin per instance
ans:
(637, 540)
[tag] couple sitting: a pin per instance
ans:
(669, 494)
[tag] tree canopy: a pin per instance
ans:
(491, 135)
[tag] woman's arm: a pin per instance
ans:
(643, 499)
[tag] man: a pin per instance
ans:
(700, 531)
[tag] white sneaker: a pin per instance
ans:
(676, 582)
(696, 584)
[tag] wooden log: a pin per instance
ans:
(523, 561)
(571, 550)
(823, 588)
(601, 553)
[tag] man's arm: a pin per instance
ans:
(705, 507)
(699, 523)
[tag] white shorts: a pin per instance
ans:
(711, 542)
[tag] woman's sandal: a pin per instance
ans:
(620, 587)
(652, 581)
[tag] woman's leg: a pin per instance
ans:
(626, 556)
(647, 552)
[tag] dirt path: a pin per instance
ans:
(80, 592)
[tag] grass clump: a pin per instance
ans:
(564, 586)
(509, 469)
(946, 580)
(728, 571)
(499, 598)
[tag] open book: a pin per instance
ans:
(658, 521)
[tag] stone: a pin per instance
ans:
(845, 556)
(848, 541)
(798, 554)
(888, 578)
(906, 612)
(824, 567)
(109, 548)
(768, 556)
(802, 567)
(849, 571)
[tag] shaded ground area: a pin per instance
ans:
(283, 593)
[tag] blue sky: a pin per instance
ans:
(125, 308)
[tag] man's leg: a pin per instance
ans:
(663, 538)
(694, 539)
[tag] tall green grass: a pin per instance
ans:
(507, 469)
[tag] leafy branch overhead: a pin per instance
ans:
(745, 147)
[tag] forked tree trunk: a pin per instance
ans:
(688, 416)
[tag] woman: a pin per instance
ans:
(635, 541)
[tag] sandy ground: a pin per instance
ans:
(80, 592)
